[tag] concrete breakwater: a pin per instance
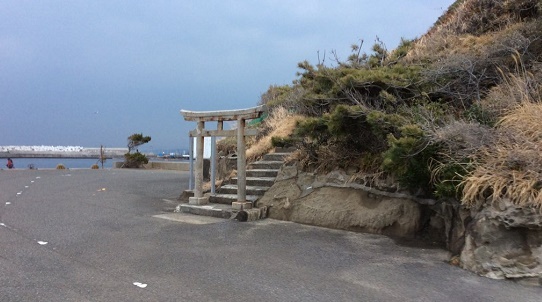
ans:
(161, 165)
(62, 153)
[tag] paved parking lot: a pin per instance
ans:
(110, 235)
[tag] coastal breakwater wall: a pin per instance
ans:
(161, 165)
(62, 153)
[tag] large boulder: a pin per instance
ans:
(329, 201)
(504, 241)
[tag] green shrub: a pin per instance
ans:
(448, 178)
(135, 160)
(315, 129)
(351, 129)
(95, 166)
(282, 142)
(404, 47)
(383, 123)
(478, 114)
(60, 167)
(408, 159)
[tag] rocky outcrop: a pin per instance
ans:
(497, 241)
(331, 201)
(448, 220)
(504, 241)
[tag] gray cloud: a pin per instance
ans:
(139, 62)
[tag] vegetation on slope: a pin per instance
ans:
(445, 115)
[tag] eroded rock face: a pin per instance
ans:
(448, 221)
(497, 241)
(323, 201)
(504, 241)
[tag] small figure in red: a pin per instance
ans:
(10, 164)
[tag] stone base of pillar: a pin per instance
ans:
(198, 200)
(241, 205)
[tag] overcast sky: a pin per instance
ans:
(91, 73)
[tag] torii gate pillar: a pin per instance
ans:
(240, 116)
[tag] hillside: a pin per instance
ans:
(443, 116)
(439, 138)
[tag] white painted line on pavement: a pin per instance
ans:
(139, 284)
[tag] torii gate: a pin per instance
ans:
(200, 132)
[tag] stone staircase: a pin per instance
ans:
(260, 176)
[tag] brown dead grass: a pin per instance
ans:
(525, 122)
(280, 123)
(227, 146)
(512, 167)
(478, 27)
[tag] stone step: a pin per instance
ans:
(223, 211)
(250, 190)
(229, 198)
(275, 156)
(262, 173)
(257, 181)
(212, 210)
(266, 164)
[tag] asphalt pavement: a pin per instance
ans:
(111, 235)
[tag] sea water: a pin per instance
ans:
(51, 163)
(69, 163)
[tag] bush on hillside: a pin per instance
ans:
(283, 142)
(426, 113)
(409, 157)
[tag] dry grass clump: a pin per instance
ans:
(512, 167)
(514, 90)
(480, 16)
(467, 64)
(461, 139)
(448, 48)
(226, 146)
(525, 122)
(473, 27)
(322, 160)
(280, 123)
(499, 100)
